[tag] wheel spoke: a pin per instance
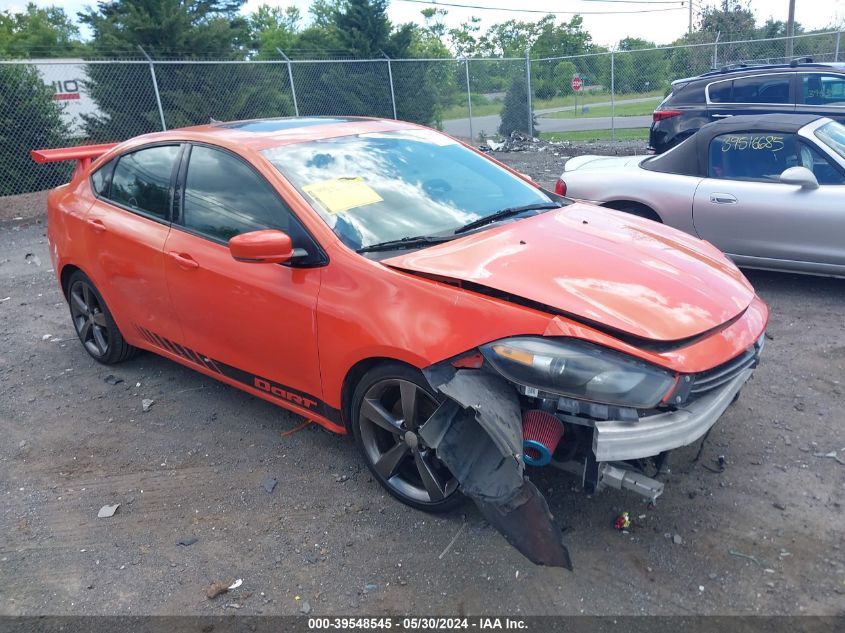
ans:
(85, 331)
(100, 339)
(374, 411)
(388, 463)
(430, 480)
(99, 318)
(408, 397)
(86, 297)
(78, 303)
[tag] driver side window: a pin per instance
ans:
(224, 197)
(755, 156)
(821, 167)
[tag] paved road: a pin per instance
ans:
(598, 104)
(490, 124)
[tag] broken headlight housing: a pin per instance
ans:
(578, 369)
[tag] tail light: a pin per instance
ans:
(660, 115)
(560, 187)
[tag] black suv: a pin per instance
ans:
(801, 87)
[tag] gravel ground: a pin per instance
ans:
(544, 160)
(763, 537)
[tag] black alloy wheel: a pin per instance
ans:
(390, 405)
(94, 324)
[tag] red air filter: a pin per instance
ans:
(541, 433)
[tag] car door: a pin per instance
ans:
(127, 227)
(743, 209)
(755, 94)
(253, 322)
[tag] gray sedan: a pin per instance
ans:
(768, 190)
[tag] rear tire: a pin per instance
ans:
(634, 208)
(94, 324)
(389, 405)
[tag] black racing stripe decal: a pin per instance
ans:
(277, 390)
(180, 350)
(168, 345)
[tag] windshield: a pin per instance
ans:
(377, 187)
(833, 134)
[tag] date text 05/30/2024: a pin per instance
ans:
(417, 624)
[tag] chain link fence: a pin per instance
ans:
(61, 102)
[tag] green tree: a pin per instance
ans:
(361, 30)
(515, 114)
(274, 28)
(465, 41)
(29, 119)
(39, 32)
(190, 93)
(639, 67)
(552, 40)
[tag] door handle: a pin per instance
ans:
(722, 198)
(97, 225)
(721, 116)
(183, 260)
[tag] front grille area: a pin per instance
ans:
(704, 382)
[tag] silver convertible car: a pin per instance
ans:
(767, 190)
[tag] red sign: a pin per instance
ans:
(577, 83)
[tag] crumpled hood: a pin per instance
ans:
(604, 266)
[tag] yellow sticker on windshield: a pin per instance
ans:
(341, 194)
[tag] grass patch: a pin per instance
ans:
(624, 134)
(622, 109)
(459, 110)
(588, 98)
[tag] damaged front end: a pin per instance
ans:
(504, 407)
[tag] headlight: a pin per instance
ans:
(579, 369)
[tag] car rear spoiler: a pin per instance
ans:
(82, 154)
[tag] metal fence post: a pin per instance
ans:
(716, 50)
(290, 78)
(612, 95)
(836, 54)
(528, 91)
(155, 87)
(469, 99)
(390, 76)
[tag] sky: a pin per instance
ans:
(661, 26)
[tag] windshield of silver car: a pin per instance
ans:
(833, 134)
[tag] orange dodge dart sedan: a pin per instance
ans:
(388, 281)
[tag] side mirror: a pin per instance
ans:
(800, 176)
(269, 246)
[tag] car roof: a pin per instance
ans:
(690, 156)
(259, 134)
(727, 72)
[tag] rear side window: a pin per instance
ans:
(100, 179)
(225, 197)
(764, 89)
(824, 90)
(720, 92)
(141, 180)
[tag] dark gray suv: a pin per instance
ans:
(801, 87)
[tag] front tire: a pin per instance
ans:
(389, 405)
(94, 324)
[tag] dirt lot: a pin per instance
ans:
(764, 536)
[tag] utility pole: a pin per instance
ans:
(689, 2)
(790, 31)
